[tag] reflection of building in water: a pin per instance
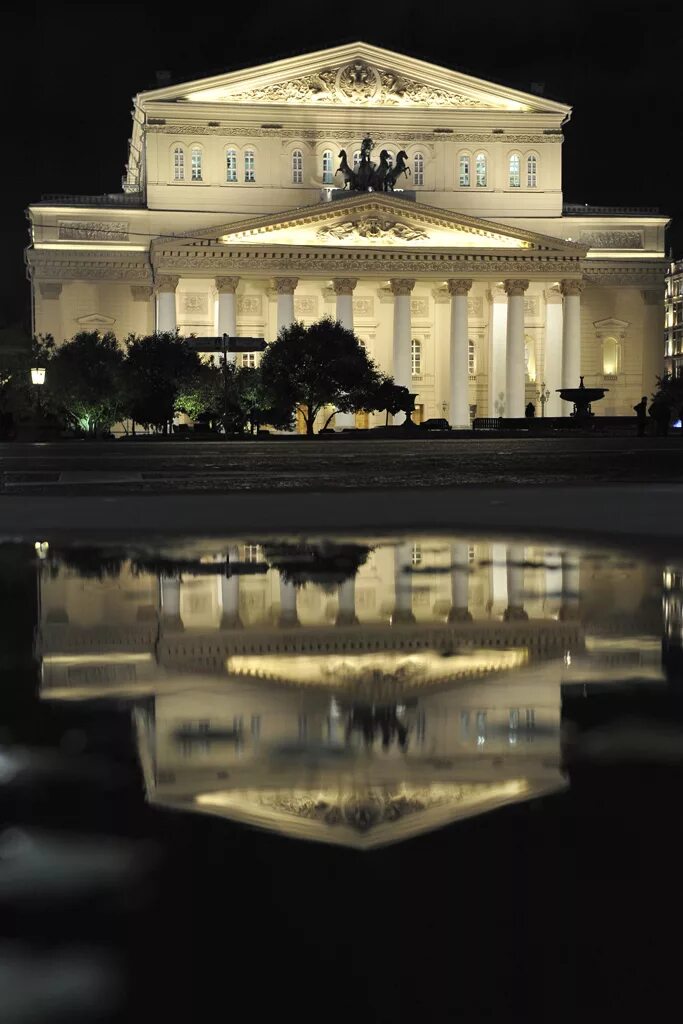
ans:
(423, 689)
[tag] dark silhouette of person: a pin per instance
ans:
(661, 414)
(641, 415)
(530, 410)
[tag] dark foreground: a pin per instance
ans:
(80, 467)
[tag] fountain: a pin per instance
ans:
(582, 397)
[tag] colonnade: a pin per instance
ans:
(507, 587)
(507, 369)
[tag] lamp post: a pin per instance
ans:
(543, 396)
(38, 380)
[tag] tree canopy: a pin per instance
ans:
(310, 368)
(85, 380)
(158, 368)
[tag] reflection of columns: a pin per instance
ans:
(552, 369)
(460, 583)
(403, 584)
(459, 405)
(227, 309)
(230, 597)
(515, 365)
(170, 602)
(166, 312)
(346, 614)
(285, 288)
(401, 288)
(515, 581)
(571, 333)
(570, 585)
(499, 314)
(288, 615)
(343, 289)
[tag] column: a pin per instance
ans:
(552, 365)
(402, 288)
(170, 602)
(288, 613)
(343, 290)
(460, 583)
(346, 613)
(165, 287)
(515, 583)
(571, 333)
(459, 403)
(498, 328)
(653, 333)
(571, 584)
(285, 288)
(142, 295)
(230, 594)
(227, 308)
(403, 584)
(515, 374)
(498, 587)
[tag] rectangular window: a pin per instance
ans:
(416, 358)
(531, 172)
(178, 164)
(249, 359)
(231, 165)
(328, 172)
(481, 171)
(514, 177)
(297, 167)
(419, 169)
(196, 165)
(249, 165)
(464, 172)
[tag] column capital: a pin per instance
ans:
(515, 287)
(344, 285)
(166, 283)
(571, 287)
(50, 289)
(226, 285)
(553, 294)
(653, 296)
(402, 285)
(141, 292)
(459, 286)
(285, 285)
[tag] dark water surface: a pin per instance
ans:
(374, 777)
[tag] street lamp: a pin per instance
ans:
(37, 375)
(543, 396)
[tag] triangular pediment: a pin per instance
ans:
(378, 220)
(355, 75)
(96, 320)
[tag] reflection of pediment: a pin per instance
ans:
(368, 219)
(355, 75)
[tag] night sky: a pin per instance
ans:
(72, 70)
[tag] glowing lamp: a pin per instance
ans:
(37, 374)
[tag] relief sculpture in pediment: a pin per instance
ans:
(372, 229)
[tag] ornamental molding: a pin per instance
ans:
(226, 285)
(612, 239)
(372, 229)
(305, 306)
(638, 277)
(50, 290)
(92, 270)
(344, 285)
(401, 286)
(333, 134)
(357, 83)
(93, 230)
(515, 287)
(141, 292)
(571, 287)
(331, 263)
(610, 327)
(96, 320)
(459, 286)
(166, 283)
(285, 285)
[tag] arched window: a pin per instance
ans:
(328, 170)
(249, 165)
(196, 163)
(472, 358)
(482, 177)
(418, 169)
(231, 165)
(465, 171)
(416, 358)
(610, 357)
(356, 160)
(514, 176)
(179, 164)
(297, 167)
(531, 171)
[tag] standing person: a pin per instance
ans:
(530, 410)
(641, 415)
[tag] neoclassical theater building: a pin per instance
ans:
(473, 282)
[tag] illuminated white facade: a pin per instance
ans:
(473, 286)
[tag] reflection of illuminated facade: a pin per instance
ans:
(423, 689)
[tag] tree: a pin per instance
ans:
(327, 563)
(159, 368)
(256, 404)
(390, 398)
(85, 381)
(670, 391)
(201, 396)
(309, 368)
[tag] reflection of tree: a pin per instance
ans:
(87, 562)
(324, 562)
(379, 720)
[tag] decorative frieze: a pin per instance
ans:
(531, 306)
(93, 230)
(306, 306)
(371, 229)
(249, 305)
(194, 303)
(419, 306)
(89, 270)
(228, 130)
(612, 239)
(475, 307)
(363, 306)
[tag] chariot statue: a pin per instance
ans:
(368, 176)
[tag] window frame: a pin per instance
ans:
(231, 151)
(512, 174)
(178, 149)
(481, 180)
(531, 174)
(415, 357)
(196, 151)
(297, 167)
(419, 168)
(249, 157)
(328, 175)
(465, 157)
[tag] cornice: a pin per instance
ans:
(404, 135)
(52, 265)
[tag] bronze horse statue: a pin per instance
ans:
(395, 172)
(348, 172)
